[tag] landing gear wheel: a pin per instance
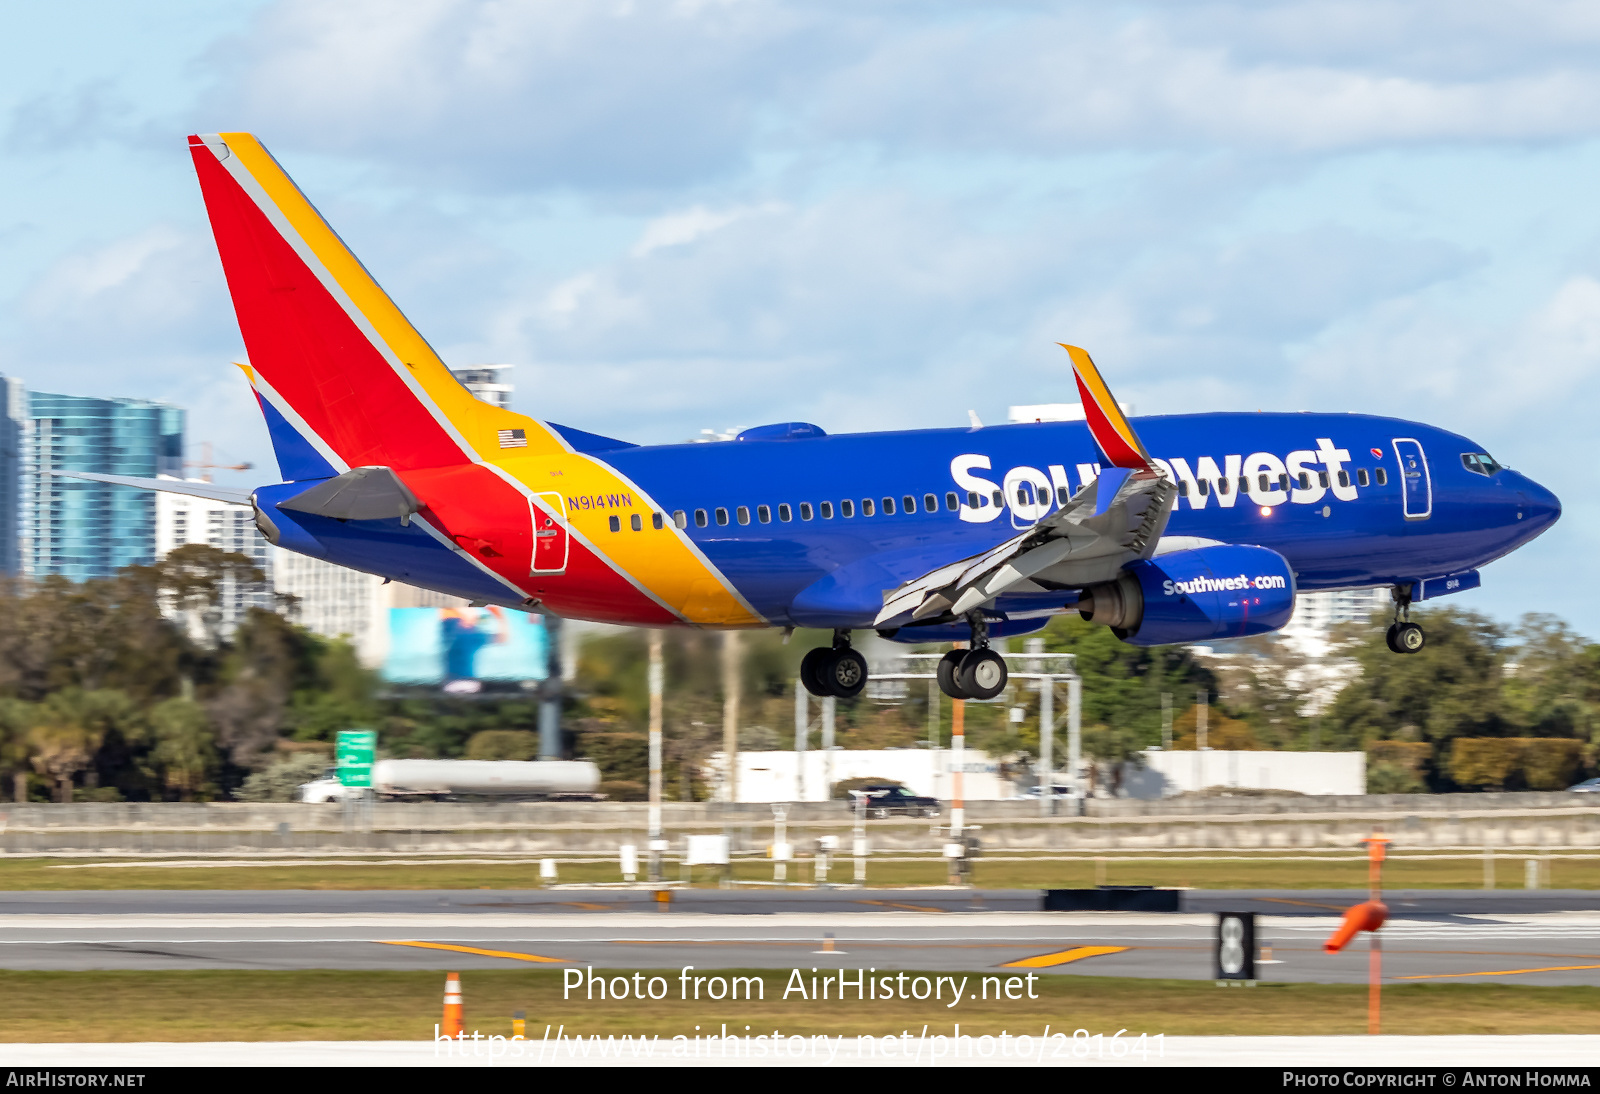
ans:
(1408, 638)
(1388, 638)
(946, 672)
(811, 671)
(843, 673)
(982, 674)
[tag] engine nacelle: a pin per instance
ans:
(1226, 591)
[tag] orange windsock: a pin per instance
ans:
(1368, 916)
(451, 1026)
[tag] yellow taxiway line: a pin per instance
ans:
(1063, 957)
(1494, 972)
(473, 949)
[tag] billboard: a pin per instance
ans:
(457, 647)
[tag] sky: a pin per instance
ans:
(702, 214)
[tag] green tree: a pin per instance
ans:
(1452, 688)
(183, 748)
(503, 744)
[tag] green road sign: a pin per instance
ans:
(353, 752)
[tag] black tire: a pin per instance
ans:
(811, 670)
(948, 664)
(1409, 638)
(982, 674)
(1388, 638)
(843, 673)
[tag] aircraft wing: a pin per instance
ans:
(1110, 522)
(169, 486)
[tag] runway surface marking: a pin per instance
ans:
(1498, 972)
(473, 949)
(1301, 903)
(907, 907)
(1050, 960)
(586, 906)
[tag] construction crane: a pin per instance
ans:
(205, 464)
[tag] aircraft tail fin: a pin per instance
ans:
(329, 350)
(1108, 425)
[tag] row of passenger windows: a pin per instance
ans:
(1265, 483)
(953, 501)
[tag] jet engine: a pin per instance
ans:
(1225, 591)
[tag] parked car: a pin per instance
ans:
(1587, 786)
(1061, 790)
(889, 801)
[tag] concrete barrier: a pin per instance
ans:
(1414, 821)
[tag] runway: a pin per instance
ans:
(880, 929)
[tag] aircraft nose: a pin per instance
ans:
(1538, 507)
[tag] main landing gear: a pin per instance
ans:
(1403, 635)
(838, 671)
(978, 673)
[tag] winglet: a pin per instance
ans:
(1108, 425)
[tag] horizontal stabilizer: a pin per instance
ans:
(170, 486)
(362, 493)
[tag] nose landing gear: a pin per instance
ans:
(1404, 636)
(838, 671)
(978, 673)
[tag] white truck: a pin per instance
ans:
(440, 780)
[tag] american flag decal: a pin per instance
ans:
(513, 438)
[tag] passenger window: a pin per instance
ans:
(866, 507)
(636, 522)
(951, 501)
(972, 499)
(1283, 482)
(1322, 478)
(930, 503)
(1244, 484)
(784, 512)
(1024, 494)
(888, 507)
(827, 510)
(1262, 482)
(1344, 477)
(1361, 477)
(908, 504)
(722, 516)
(1204, 486)
(764, 514)
(999, 500)
(1305, 480)
(657, 521)
(680, 519)
(700, 518)
(847, 508)
(1062, 496)
(1183, 488)
(1222, 486)
(616, 524)
(1382, 476)
(743, 513)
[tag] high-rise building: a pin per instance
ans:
(13, 413)
(182, 520)
(81, 529)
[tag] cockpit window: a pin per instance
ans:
(1479, 463)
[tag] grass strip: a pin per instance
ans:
(338, 1005)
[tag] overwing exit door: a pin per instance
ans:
(550, 540)
(1416, 488)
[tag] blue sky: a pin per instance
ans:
(715, 213)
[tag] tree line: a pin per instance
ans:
(130, 688)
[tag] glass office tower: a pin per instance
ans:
(81, 529)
